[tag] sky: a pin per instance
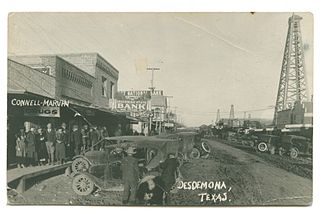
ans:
(207, 61)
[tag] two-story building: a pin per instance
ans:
(73, 88)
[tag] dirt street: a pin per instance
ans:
(230, 176)
(253, 180)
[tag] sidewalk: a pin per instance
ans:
(16, 173)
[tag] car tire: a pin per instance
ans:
(294, 153)
(79, 164)
(262, 147)
(194, 154)
(205, 146)
(82, 185)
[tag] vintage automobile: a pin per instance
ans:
(294, 146)
(95, 156)
(190, 145)
(105, 166)
(267, 143)
(247, 140)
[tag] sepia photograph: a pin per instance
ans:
(160, 108)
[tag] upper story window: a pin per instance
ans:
(104, 86)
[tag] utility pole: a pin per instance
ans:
(231, 115)
(218, 116)
(152, 88)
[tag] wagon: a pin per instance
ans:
(105, 172)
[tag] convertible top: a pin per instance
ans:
(165, 145)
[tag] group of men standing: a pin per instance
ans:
(51, 146)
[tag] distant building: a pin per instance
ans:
(301, 115)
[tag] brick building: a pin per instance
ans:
(86, 87)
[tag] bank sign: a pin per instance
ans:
(138, 94)
(131, 106)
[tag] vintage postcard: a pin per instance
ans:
(160, 109)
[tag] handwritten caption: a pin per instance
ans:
(215, 191)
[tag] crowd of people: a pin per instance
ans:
(51, 146)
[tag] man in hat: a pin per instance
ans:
(169, 171)
(130, 176)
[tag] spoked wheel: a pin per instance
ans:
(79, 164)
(206, 147)
(262, 147)
(294, 153)
(195, 153)
(82, 185)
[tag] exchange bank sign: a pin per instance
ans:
(131, 105)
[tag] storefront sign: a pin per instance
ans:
(42, 111)
(138, 94)
(131, 105)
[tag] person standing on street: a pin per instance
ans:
(50, 143)
(169, 171)
(118, 131)
(75, 140)
(21, 149)
(85, 137)
(60, 146)
(31, 148)
(69, 151)
(41, 147)
(94, 137)
(130, 177)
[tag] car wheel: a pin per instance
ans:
(262, 147)
(80, 164)
(195, 153)
(294, 153)
(206, 147)
(82, 185)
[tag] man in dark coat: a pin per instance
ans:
(169, 171)
(31, 147)
(75, 140)
(50, 142)
(85, 137)
(130, 177)
(60, 146)
(65, 131)
(94, 137)
(41, 147)
(150, 191)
